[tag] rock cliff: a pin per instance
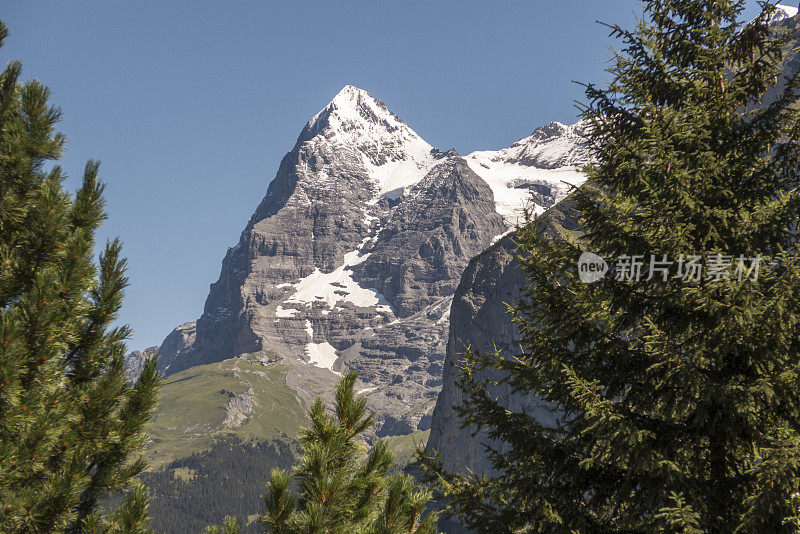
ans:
(479, 320)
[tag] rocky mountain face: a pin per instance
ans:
(134, 362)
(479, 320)
(354, 260)
(351, 260)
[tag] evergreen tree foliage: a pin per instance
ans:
(70, 422)
(130, 518)
(229, 526)
(674, 404)
(342, 489)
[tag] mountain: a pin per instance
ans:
(523, 172)
(351, 259)
(371, 251)
(350, 262)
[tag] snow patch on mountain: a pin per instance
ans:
(322, 355)
(511, 184)
(335, 286)
(498, 237)
(285, 313)
(309, 330)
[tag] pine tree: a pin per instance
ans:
(675, 401)
(70, 423)
(229, 526)
(342, 489)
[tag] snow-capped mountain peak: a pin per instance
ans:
(782, 13)
(355, 105)
(330, 276)
(551, 146)
(395, 157)
(544, 166)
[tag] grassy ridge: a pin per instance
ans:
(194, 406)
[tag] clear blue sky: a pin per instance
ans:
(190, 105)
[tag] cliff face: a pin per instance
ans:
(420, 254)
(134, 362)
(479, 320)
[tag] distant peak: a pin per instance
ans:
(551, 129)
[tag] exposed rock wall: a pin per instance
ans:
(445, 220)
(479, 320)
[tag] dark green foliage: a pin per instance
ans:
(342, 488)
(229, 526)
(190, 493)
(674, 405)
(70, 423)
(131, 517)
